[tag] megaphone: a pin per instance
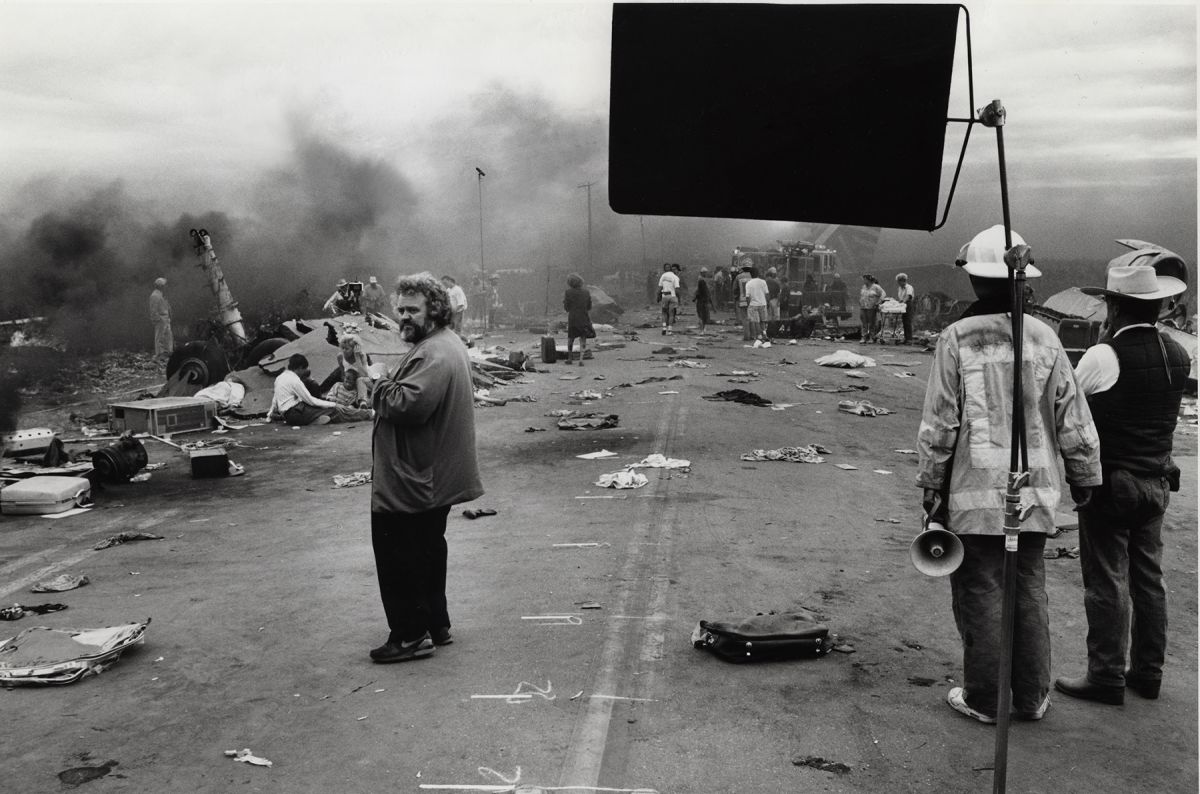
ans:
(937, 551)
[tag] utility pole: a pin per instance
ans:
(588, 187)
(642, 223)
(481, 175)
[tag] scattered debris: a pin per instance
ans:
(622, 479)
(535, 430)
(479, 512)
(246, 756)
(919, 680)
(905, 451)
(77, 776)
(587, 394)
(351, 480)
(739, 396)
(60, 584)
(657, 461)
(844, 647)
(688, 363)
(1061, 551)
(881, 471)
(807, 454)
(42, 655)
(125, 537)
(604, 453)
(862, 408)
(890, 520)
(18, 611)
(593, 421)
(817, 762)
(671, 391)
(845, 358)
(810, 386)
(846, 467)
(857, 374)
(904, 374)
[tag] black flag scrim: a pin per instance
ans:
(821, 113)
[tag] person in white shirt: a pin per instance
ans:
(668, 293)
(295, 404)
(757, 293)
(908, 296)
(458, 302)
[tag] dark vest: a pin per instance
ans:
(1136, 417)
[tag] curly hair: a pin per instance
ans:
(437, 300)
(574, 280)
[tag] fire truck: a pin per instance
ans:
(804, 263)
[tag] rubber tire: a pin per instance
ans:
(549, 350)
(198, 363)
(263, 349)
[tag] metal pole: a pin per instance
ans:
(994, 115)
(642, 224)
(480, 176)
(588, 187)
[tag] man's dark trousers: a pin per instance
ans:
(1120, 552)
(410, 559)
(977, 588)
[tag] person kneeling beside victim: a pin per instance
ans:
(294, 403)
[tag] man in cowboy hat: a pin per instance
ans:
(964, 444)
(1133, 380)
(342, 301)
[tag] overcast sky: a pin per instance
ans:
(201, 107)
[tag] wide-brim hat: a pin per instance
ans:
(341, 282)
(1141, 282)
(983, 257)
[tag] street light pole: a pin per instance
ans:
(480, 176)
(588, 187)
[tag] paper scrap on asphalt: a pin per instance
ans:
(603, 453)
(881, 471)
(657, 461)
(246, 756)
(846, 466)
(622, 479)
(68, 513)
(905, 451)
(351, 480)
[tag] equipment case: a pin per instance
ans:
(45, 495)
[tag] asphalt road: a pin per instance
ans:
(572, 608)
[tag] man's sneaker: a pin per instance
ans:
(956, 697)
(757, 343)
(441, 636)
(1034, 716)
(403, 651)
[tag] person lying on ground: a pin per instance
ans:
(295, 404)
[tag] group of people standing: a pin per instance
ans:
(1111, 421)
(872, 295)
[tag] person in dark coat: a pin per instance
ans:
(704, 300)
(578, 302)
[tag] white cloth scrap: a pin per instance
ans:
(845, 358)
(807, 454)
(622, 479)
(604, 453)
(862, 408)
(657, 461)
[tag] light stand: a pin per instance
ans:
(1018, 476)
(480, 176)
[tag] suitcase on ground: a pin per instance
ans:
(549, 350)
(45, 495)
(792, 635)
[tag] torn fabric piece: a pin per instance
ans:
(125, 537)
(657, 461)
(18, 611)
(59, 584)
(603, 453)
(622, 479)
(862, 408)
(595, 421)
(351, 480)
(806, 385)
(807, 454)
(845, 358)
(738, 396)
(42, 655)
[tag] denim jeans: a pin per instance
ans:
(1120, 551)
(977, 588)
(410, 561)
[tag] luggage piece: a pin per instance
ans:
(794, 635)
(549, 350)
(45, 495)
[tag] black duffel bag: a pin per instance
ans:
(791, 635)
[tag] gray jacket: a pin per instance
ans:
(423, 442)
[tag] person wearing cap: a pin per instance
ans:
(1133, 380)
(964, 444)
(741, 301)
(869, 298)
(375, 298)
(704, 299)
(908, 296)
(160, 318)
(342, 301)
(668, 296)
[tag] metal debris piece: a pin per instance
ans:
(60, 584)
(125, 537)
(351, 480)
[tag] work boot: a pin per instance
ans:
(1145, 687)
(1084, 689)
